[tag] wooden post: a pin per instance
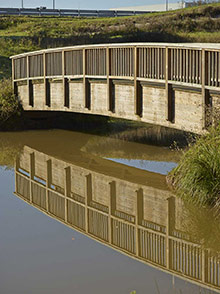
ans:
(169, 229)
(204, 265)
(13, 72)
(29, 84)
(111, 106)
(48, 182)
(88, 198)
(44, 74)
(63, 73)
(86, 89)
(67, 189)
(14, 84)
(205, 94)
(32, 174)
(17, 166)
(112, 207)
(168, 87)
(137, 87)
(138, 217)
(46, 82)
(65, 83)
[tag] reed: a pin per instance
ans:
(197, 177)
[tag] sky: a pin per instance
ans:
(82, 4)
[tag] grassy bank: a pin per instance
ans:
(21, 34)
(197, 177)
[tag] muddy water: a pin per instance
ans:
(86, 214)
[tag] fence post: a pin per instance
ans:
(204, 265)
(88, 198)
(168, 87)
(169, 229)
(112, 207)
(65, 82)
(137, 87)
(109, 81)
(86, 89)
(14, 84)
(29, 84)
(13, 72)
(205, 93)
(48, 182)
(138, 217)
(46, 82)
(32, 174)
(67, 189)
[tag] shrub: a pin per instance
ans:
(197, 177)
(9, 103)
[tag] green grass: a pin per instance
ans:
(197, 177)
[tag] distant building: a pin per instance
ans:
(157, 7)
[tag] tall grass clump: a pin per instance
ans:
(9, 103)
(197, 177)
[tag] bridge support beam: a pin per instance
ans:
(67, 189)
(205, 93)
(112, 208)
(111, 104)
(66, 92)
(86, 84)
(47, 92)
(170, 227)
(65, 83)
(139, 215)
(169, 93)
(138, 104)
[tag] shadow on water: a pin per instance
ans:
(100, 125)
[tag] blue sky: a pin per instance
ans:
(95, 4)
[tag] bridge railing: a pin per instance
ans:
(195, 66)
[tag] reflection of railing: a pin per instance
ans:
(134, 234)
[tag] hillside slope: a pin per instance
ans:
(21, 34)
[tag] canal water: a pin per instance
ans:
(82, 214)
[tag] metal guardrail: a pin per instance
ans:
(69, 12)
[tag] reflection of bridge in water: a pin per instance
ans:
(140, 220)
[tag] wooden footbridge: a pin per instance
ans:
(172, 85)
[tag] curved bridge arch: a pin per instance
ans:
(171, 85)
